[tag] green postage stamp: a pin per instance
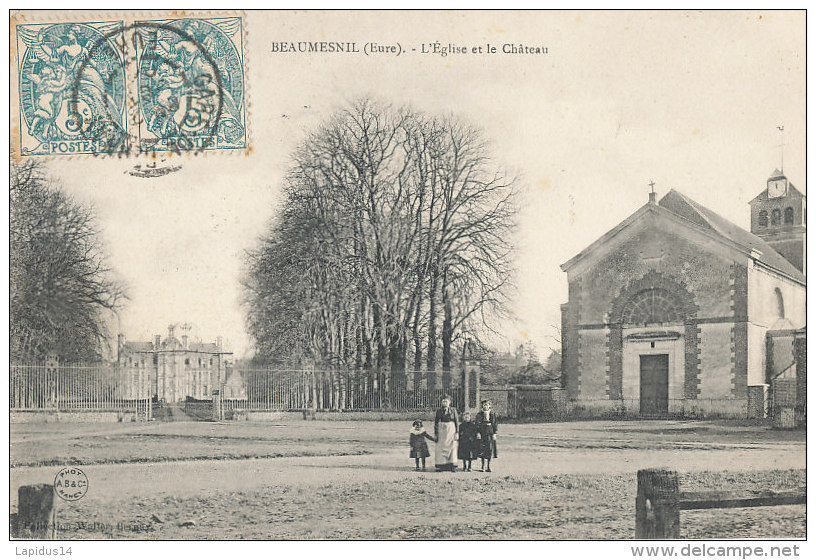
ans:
(119, 87)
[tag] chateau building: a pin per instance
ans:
(678, 311)
(171, 370)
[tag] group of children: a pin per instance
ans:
(476, 440)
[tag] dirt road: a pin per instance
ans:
(600, 455)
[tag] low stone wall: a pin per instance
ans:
(268, 415)
(716, 408)
(273, 416)
(91, 416)
(425, 416)
(527, 401)
(596, 408)
(501, 398)
(679, 408)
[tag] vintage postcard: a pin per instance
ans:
(408, 275)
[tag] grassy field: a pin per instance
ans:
(336, 480)
(90, 444)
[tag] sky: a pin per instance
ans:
(688, 100)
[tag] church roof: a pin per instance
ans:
(680, 207)
(678, 203)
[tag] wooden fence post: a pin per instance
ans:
(657, 515)
(36, 512)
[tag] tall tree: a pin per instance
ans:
(61, 289)
(395, 224)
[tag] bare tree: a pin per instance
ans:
(392, 222)
(60, 286)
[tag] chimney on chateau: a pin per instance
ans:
(171, 331)
(156, 342)
(184, 339)
(219, 341)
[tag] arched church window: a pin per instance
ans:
(789, 215)
(763, 218)
(776, 217)
(780, 303)
(653, 305)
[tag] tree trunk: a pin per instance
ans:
(447, 336)
(399, 381)
(417, 347)
(380, 333)
(431, 357)
(360, 336)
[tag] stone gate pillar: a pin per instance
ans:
(52, 380)
(471, 370)
(217, 409)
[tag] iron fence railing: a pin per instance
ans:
(77, 387)
(274, 389)
(111, 386)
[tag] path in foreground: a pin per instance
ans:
(572, 480)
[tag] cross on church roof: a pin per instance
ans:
(652, 184)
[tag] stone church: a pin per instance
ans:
(676, 310)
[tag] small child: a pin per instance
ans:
(468, 444)
(419, 447)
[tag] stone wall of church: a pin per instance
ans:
(705, 274)
(592, 364)
(717, 375)
(716, 338)
(763, 304)
(765, 313)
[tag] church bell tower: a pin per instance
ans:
(779, 217)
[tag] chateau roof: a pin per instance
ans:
(135, 346)
(209, 347)
(174, 345)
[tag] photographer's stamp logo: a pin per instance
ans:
(71, 484)
(72, 88)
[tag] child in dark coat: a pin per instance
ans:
(419, 447)
(487, 425)
(468, 444)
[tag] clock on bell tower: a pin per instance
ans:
(777, 187)
(778, 216)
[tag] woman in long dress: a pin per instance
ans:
(446, 430)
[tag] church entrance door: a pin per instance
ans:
(654, 384)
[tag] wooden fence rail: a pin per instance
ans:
(659, 502)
